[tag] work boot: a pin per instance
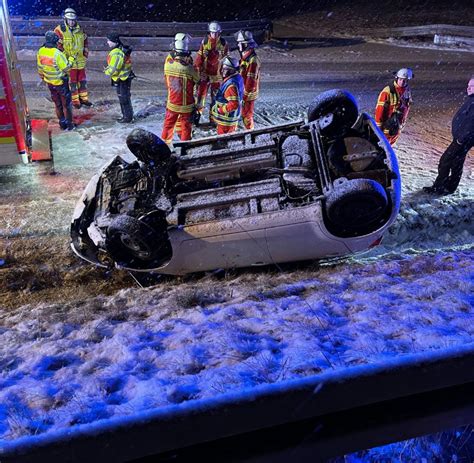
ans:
(124, 120)
(87, 103)
(437, 191)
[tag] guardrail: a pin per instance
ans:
(427, 30)
(39, 26)
(137, 43)
(265, 408)
(142, 36)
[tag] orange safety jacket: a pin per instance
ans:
(180, 78)
(74, 43)
(53, 66)
(227, 108)
(392, 98)
(250, 72)
(208, 58)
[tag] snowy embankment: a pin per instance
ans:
(69, 363)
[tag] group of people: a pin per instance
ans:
(232, 84)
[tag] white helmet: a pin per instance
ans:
(214, 26)
(230, 62)
(244, 36)
(405, 73)
(181, 36)
(69, 13)
(181, 46)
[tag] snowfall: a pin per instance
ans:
(81, 345)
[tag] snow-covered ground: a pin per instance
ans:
(80, 344)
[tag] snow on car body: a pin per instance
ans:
(297, 191)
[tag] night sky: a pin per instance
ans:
(206, 10)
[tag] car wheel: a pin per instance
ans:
(356, 204)
(343, 107)
(148, 147)
(133, 243)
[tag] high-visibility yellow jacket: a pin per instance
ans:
(119, 63)
(250, 72)
(73, 42)
(180, 78)
(53, 65)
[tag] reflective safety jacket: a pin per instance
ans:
(180, 78)
(119, 63)
(53, 65)
(209, 56)
(228, 106)
(73, 42)
(393, 102)
(250, 72)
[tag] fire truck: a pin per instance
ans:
(21, 139)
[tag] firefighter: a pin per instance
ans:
(53, 68)
(393, 105)
(250, 72)
(73, 42)
(227, 109)
(119, 69)
(180, 79)
(451, 162)
(211, 52)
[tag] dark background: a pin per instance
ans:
(207, 10)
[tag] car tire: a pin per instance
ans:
(134, 244)
(148, 147)
(357, 204)
(341, 104)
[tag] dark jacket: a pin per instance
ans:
(463, 122)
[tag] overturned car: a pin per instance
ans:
(297, 191)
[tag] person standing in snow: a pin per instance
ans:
(227, 109)
(451, 162)
(393, 105)
(211, 52)
(119, 69)
(180, 79)
(73, 43)
(53, 68)
(250, 72)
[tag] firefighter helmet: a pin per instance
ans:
(69, 13)
(51, 37)
(182, 37)
(405, 73)
(214, 26)
(230, 62)
(181, 46)
(244, 36)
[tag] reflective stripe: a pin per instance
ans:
(6, 140)
(119, 65)
(52, 64)
(73, 42)
(180, 77)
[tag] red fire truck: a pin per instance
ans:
(21, 139)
